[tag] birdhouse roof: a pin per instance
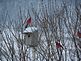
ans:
(30, 29)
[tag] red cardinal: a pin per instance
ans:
(28, 22)
(79, 34)
(58, 45)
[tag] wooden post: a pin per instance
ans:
(33, 54)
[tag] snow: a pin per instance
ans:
(30, 29)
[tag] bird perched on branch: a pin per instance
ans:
(79, 34)
(58, 45)
(28, 22)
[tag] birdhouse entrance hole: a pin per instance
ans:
(28, 35)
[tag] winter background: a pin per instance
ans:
(50, 12)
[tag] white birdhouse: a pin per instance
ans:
(31, 36)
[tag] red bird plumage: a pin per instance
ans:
(79, 34)
(58, 45)
(28, 22)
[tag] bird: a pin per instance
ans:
(79, 34)
(58, 45)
